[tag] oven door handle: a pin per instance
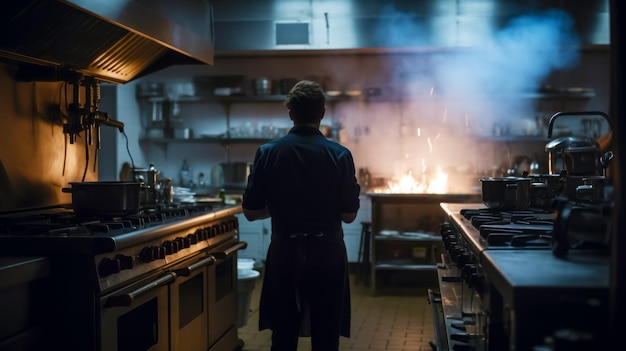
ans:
(223, 254)
(185, 272)
(125, 300)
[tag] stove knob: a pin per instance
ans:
(224, 226)
(455, 252)
(147, 254)
(467, 271)
(183, 243)
(445, 227)
(171, 247)
(109, 266)
(235, 223)
(193, 237)
(450, 241)
(446, 232)
(464, 259)
(201, 234)
(216, 230)
(159, 252)
(126, 262)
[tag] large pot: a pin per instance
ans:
(236, 173)
(105, 199)
(506, 192)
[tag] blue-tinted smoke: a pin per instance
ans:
(516, 59)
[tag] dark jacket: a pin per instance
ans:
(306, 182)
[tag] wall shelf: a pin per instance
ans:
(513, 138)
(236, 99)
(225, 142)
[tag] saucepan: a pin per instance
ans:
(506, 192)
(106, 199)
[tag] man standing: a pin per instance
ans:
(307, 185)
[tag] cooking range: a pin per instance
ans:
(163, 278)
(503, 286)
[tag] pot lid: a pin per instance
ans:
(572, 142)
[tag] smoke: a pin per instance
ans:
(468, 91)
(516, 59)
(400, 29)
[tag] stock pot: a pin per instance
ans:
(506, 192)
(106, 199)
(236, 173)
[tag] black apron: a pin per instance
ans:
(306, 279)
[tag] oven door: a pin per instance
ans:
(223, 303)
(188, 304)
(136, 317)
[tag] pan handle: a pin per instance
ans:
(66, 190)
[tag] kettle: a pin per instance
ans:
(576, 155)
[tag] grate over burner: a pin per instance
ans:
(62, 221)
(517, 228)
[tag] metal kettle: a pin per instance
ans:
(575, 155)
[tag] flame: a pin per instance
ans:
(407, 184)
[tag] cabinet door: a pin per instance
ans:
(352, 231)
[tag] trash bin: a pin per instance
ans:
(246, 280)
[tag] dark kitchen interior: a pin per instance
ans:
(486, 136)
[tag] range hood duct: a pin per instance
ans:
(115, 41)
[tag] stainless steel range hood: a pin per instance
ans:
(114, 41)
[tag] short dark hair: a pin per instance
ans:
(306, 100)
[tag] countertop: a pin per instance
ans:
(540, 269)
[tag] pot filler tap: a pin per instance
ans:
(87, 117)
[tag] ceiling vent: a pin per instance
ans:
(292, 33)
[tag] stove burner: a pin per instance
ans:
(516, 228)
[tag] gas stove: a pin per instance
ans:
(501, 286)
(58, 230)
(160, 279)
(122, 248)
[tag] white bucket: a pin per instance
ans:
(246, 280)
(245, 264)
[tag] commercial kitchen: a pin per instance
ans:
(487, 137)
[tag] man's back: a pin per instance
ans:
(305, 177)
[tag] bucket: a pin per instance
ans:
(246, 280)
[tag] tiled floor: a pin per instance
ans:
(398, 322)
